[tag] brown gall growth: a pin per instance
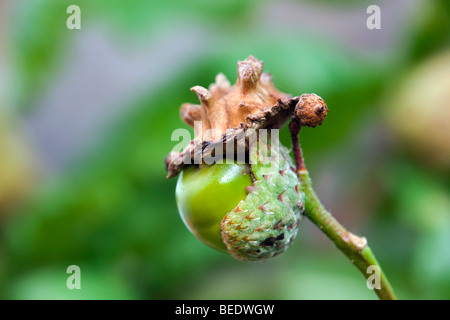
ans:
(227, 111)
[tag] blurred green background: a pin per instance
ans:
(86, 118)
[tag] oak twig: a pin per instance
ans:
(354, 247)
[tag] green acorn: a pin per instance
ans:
(251, 209)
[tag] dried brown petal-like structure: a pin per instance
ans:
(225, 112)
(224, 106)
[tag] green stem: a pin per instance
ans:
(354, 247)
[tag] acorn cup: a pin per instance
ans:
(247, 201)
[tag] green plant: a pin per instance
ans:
(262, 222)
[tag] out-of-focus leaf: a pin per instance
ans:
(41, 38)
(51, 284)
(432, 263)
(423, 202)
(434, 23)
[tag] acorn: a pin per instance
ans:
(247, 201)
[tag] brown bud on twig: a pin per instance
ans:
(310, 110)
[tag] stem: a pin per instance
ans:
(294, 128)
(354, 247)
